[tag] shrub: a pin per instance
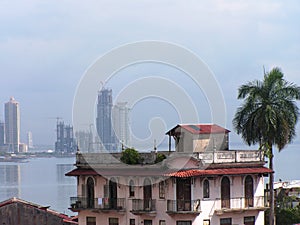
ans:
(159, 157)
(130, 156)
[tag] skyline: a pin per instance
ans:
(45, 51)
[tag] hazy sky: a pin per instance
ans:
(46, 46)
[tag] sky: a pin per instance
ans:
(46, 47)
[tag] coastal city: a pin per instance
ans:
(149, 113)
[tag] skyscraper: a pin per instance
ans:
(121, 123)
(12, 125)
(104, 120)
(2, 134)
(65, 142)
(29, 140)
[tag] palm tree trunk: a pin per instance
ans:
(271, 185)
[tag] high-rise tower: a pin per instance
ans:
(104, 120)
(2, 134)
(65, 141)
(121, 123)
(12, 125)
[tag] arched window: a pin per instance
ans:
(249, 191)
(225, 192)
(205, 188)
(147, 194)
(113, 193)
(90, 193)
(131, 188)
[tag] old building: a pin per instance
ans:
(202, 182)
(15, 211)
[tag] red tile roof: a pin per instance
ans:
(118, 172)
(181, 173)
(201, 128)
(225, 171)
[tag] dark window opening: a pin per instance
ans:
(206, 189)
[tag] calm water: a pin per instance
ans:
(41, 181)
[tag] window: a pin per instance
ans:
(184, 222)
(162, 222)
(249, 220)
(249, 192)
(113, 221)
(225, 221)
(206, 189)
(162, 190)
(225, 192)
(90, 193)
(206, 222)
(91, 221)
(132, 222)
(147, 222)
(131, 188)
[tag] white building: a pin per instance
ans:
(29, 140)
(12, 125)
(121, 123)
(190, 187)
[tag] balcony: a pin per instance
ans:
(239, 205)
(99, 204)
(183, 206)
(143, 206)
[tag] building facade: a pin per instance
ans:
(12, 125)
(104, 121)
(189, 187)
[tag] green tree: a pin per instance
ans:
(130, 156)
(268, 117)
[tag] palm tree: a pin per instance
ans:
(268, 117)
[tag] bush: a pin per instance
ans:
(159, 157)
(130, 156)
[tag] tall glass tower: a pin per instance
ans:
(12, 125)
(104, 120)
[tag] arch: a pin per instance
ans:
(206, 188)
(225, 192)
(147, 191)
(131, 188)
(113, 193)
(183, 193)
(249, 192)
(90, 192)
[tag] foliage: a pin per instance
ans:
(269, 113)
(268, 116)
(159, 157)
(130, 156)
(286, 216)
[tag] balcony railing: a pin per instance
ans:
(78, 203)
(143, 205)
(240, 203)
(231, 156)
(178, 206)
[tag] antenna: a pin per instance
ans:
(154, 147)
